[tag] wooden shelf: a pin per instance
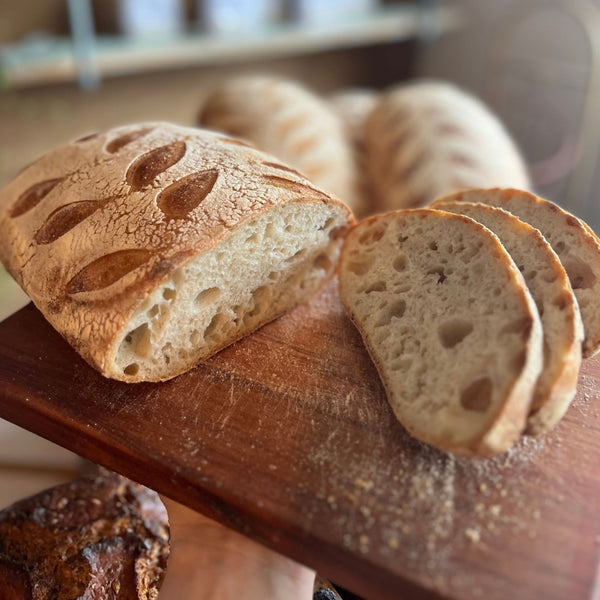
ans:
(54, 60)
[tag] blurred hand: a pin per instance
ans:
(210, 562)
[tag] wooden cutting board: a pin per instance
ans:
(287, 438)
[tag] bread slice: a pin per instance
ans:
(576, 245)
(151, 247)
(449, 323)
(429, 138)
(550, 289)
(101, 536)
(290, 122)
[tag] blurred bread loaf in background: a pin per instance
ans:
(425, 139)
(353, 106)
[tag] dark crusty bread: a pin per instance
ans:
(428, 138)
(324, 590)
(550, 288)
(100, 537)
(151, 247)
(576, 245)
(449, 322)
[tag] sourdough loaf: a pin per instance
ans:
(151, 247)
(576, 245)
(429, 138)
(550, 288)
(449, 323)
(285, 119)
(100, 537)
(353, 107)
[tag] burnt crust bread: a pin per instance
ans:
(289, 121)
(430, 138)
(100, 537)
(151, 247)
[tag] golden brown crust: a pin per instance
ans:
(100, 537)
(123, 210)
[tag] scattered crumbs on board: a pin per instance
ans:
(472, 534)
(365, 485)
(433, 504)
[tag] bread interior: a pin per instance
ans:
(252, 276)
(445, 319)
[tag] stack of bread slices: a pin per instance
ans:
(477, 312)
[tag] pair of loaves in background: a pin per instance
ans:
(399, 149)
(151, 247)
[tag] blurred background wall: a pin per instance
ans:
(536, 63)
(71, 67)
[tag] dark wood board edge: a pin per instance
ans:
(361, 577)
(503, 563)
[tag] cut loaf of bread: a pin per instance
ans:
(151, 247)
(576, 245)
(449, 323)
(430, 138)
(550, 288)
(287, 120)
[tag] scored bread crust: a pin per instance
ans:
(97, 228)
(430, 138)
(550, 288)
(576, 245)
(287, 120)
(459, 368)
